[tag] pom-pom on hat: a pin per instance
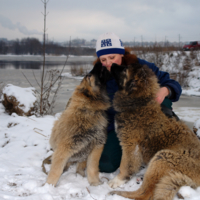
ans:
(109, 43)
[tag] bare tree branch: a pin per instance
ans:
(48, 78)
(29, 82)
(36, 79)
(63, 65)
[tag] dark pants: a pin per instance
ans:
(112, 153)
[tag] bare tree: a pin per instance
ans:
(50, 80)
(44, 58)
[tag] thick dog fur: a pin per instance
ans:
(148, 136)
(79, 134)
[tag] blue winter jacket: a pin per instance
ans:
(164, 80)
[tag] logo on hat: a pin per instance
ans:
(106, 43)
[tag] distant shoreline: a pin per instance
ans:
(49, 58)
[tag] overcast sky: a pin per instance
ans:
(147, 20)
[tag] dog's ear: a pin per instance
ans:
(97, 68)
(101, 72)
(141, 71)
(104, 75)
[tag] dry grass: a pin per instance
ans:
(79, 70)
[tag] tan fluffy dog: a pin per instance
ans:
(79, 134)
(148, 136)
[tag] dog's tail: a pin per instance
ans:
(169, 185)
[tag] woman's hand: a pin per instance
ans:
(162, 93)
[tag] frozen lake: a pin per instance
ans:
(36, 62)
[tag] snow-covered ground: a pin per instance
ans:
(24, 143)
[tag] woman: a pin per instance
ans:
(109, 50)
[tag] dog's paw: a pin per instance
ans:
(95, 183)
(116, 182)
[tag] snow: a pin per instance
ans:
(24, 143)
(193, 82)
(26, 96)
(189, 114)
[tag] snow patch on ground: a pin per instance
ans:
(26, 96)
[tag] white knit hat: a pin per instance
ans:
(109, 43)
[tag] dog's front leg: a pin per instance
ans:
(59, 160)
(93, 165)
(130, 164)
